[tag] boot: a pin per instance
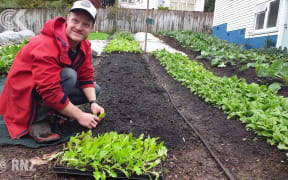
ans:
(41, 132)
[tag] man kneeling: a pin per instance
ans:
(50, 75)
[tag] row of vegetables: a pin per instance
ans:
(260, 108)
(268, 62)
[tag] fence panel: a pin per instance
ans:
(110, 20)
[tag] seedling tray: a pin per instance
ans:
(89, 173)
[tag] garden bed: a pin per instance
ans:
(245, 154)
(135, 101)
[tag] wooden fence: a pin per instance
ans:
(110, 20)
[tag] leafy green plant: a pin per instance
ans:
(101, 115)
(123, 35)
(111, 153)
(7, 55)
(269, 42)
(123, 42)
(122, 45)
(98, 36)
(268, 62)
(260, 108)
(162, 8)
(276, 86)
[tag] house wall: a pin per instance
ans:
(234, 22)
(283, 25)
(142, 4)
(199, 5)
(182, 5)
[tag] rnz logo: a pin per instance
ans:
(22, 165)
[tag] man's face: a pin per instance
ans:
(79, 25)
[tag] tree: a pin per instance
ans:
(96, 3)
(29, 3)
(108, 3)
(209, 5)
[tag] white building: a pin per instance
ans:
(182, 5)
(251, 22)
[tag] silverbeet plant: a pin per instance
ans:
(7, 55)
(123, 42)
(112, 153)
(260, 108)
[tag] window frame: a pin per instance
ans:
(130, 1)
(267, 11)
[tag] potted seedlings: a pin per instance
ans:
(111, 155)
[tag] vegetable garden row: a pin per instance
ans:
(269, 62)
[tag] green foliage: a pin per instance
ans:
(101, 115)
(272, 52)
(111, 153)
(209, 5)
(37, 3)
(276, 86)
(260, 108)
(270, 62)
(7, 4)
(123, 42)
(162, 8)
(7, 55)
(122, 45)
(123, 35)
(29, 3)
(269, 42)
(98, 36)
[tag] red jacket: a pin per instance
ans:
(39, 63)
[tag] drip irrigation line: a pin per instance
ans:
(226, 171)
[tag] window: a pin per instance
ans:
(266, 15)
(133, 1)
(273, 14)
(260, 17)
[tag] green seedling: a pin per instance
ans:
(111, 153)
(101, 115)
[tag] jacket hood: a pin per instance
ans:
(53, 26)
(56, 28)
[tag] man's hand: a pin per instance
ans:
(96, 109)
(87, 120)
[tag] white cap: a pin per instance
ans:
(87, 6)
